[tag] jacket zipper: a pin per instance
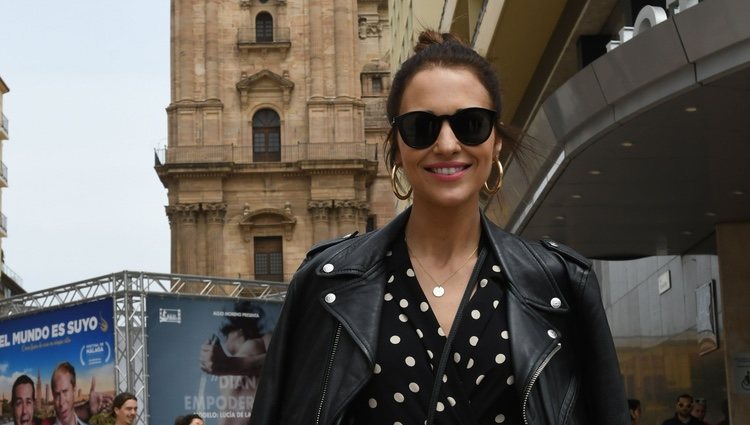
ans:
(534, 377)
(328, 373)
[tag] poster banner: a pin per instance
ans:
(58, 366)
(205, 356)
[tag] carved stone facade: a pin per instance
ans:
(276, 125)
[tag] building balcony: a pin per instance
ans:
(3, 226)
(3, 175)
(258, 39)
(324, 153)
(15, 280)
(4, 128)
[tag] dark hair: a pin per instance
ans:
(684, 396)
(23, 379)
(435, 50)
(633, 404)
(67, 368)
(185, 420)
(247, 320)
(120, 399)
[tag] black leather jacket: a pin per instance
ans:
(323, 349)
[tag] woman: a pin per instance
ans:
(634, 406)
(441, 317)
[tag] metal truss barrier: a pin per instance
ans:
(129, 290)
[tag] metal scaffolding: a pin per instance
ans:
(128, 290)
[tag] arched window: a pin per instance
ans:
(266, 136)
(263, 27)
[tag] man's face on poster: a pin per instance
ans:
(64, 396)
(23, 409)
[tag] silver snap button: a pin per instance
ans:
(552, 334)
(553, 243)
(555, 302)
(330, 298)
(328, 268)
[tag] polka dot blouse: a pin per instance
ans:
(477, 386)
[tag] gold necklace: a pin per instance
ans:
(438, 290)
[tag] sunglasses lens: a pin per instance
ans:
(472, 126)
(419, 129)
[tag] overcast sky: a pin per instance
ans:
(89, 81)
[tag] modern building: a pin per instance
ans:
(636, 115)
(276, 124)
(10, 282)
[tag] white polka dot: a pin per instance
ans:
(377, 369)
(372, 403)
(390, 279)
(397, 423)
(413, 387)
(424, 306)
(440, 407)
(398, 397)
(499, 418)
(496, 269)
(389, 253)
(410, 272)
(483, 283)
(409, 360)
(452, 401)
(469, 364)
(395, 339)
(511, 379)
(495, 303)
(500, 359)
(402, 317)
(440, 332)
(480, 378)
(445, 378)
(473, 341)
(429, 353)
(388, 297)
(456, 357)
(475, 314)
(419, 333)
(504, 334)
(403, 303)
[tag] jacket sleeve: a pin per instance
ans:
(269, 397)
(602, 385)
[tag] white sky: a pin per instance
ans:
(89, 82)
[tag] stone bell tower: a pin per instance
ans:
(276, 124)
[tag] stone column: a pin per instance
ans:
(183, 49)
(174, 229)
(344, 34)
(215, 238)
(347, 216)
(733, 244)
(212, 49)
(321, 226)
(363, 212)
(188, 237)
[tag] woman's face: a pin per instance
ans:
(448, 173)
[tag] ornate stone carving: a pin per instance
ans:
(319, 210)
(268, 218)
(369, 29)
(264, 81)
(215, 212)
(347, 210)
(187, 212)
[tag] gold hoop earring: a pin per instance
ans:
(499, 184)
(394, 185)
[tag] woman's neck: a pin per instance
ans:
(443, 233)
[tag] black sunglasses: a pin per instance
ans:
(420, 129)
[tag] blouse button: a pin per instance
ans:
(330, 298)
(555, 302)
(328, 268)
(552, 334)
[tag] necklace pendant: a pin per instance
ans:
(438, 291)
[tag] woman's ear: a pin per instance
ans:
(498, 146)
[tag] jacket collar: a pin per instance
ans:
(523, 269)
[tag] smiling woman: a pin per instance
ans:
(441, 316)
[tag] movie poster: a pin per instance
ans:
(58, 366)
(205, 356)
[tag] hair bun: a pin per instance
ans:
(429, 37)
